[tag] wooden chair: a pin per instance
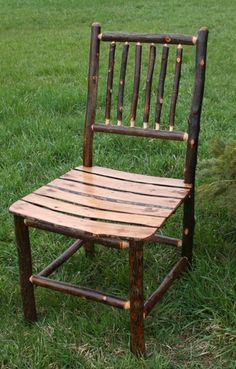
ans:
(113, 208)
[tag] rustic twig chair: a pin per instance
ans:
(114, 208)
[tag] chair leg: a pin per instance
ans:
(89, 248)
(25, 266)
(188, 227)
(137, 344)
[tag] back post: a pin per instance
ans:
(91, 108)
(192, 144)
(92, 94)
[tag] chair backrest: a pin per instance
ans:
(147, 130)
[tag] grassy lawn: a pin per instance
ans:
(43, 81)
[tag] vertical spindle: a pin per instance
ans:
(152, 58)
(161, 84)
(122, 83)
(137, 70)
(111, 63)
(174, 97)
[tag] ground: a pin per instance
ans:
(44, 52)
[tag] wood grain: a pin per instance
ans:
(164, 38)
(134, 177)
(95, 203)
(140, 132)
(82, 226)
(84, 212)
(126, 186)
(118, 196)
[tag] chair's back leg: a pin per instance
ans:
(137, 343)
(188, 227)
(89, 248)
(25, 266)
(192, 146)
(91, 107)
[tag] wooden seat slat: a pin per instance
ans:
(101, 204)
(122, 185)
(81, 211)
(105, 193)
(134, 177)
(83, 227)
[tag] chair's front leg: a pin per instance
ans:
(136, 297)
(25, 266)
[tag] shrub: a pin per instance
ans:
(219, 172)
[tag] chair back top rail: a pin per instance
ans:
(156, 38)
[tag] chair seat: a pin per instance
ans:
(101, 202)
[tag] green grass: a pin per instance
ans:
(44, 51)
